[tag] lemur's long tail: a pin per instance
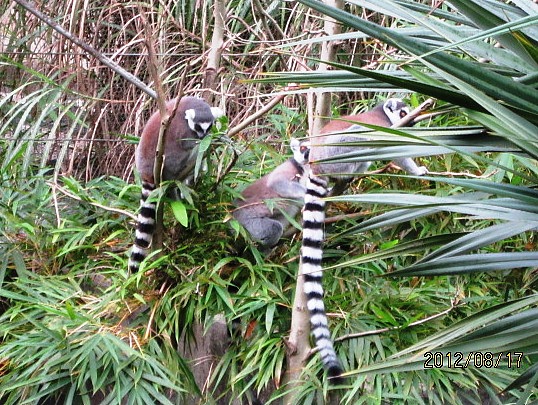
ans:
(145, 228)
(311, 256)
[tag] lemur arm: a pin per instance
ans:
(411, 167)
(288, 188)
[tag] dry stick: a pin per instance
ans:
(86, 47)
(427, 116)
(298, 346)
(455, 174)
(270, 30)
(338, 218)
(414, 114)
(215, 52)
(238, 128)
(260, 8)
(453, 304)
(62, 190)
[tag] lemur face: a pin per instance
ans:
(199, 121)
(395, 109)
(301, 151)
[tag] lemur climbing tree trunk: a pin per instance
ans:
(209, 344)
(153, 68)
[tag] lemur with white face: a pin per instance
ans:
(261, 207)
(386, 115)
(191, 122)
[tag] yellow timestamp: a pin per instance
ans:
(474, 359)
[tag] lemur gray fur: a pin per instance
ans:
(261, 207)
(341, 131)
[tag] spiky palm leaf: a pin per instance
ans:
(449, 54)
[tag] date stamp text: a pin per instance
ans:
(474, 359)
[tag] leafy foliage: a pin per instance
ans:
(452, 71)
(437, 266)
(78, 341)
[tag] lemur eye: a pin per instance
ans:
(403, 113)
(197, 128)
(303, 149)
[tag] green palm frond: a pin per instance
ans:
(450, 54)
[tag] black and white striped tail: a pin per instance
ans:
(145, 228)
(311, 256)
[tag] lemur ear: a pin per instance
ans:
(217, 112)
(393, 103)
(190, 114)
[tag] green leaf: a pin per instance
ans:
(486, 19)
(398, 250)
(480, 238)
(412, 357)
(493, 84)
(463, 264)
(269, 316)
(180, 212)
(204, 145)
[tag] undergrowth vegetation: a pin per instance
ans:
(421, 273)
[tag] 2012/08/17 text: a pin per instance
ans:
(475, 359)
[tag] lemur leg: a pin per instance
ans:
(264, 230)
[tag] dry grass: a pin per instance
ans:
(110, 108)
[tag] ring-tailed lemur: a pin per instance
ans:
(387, 114)
(340, 131)
(265, 206)
(191, 122)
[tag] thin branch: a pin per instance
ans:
(427, 116)
(238, 128)
(260, 8)
(453, 304)
(453, 174)
(338, 218)
(86, 47)
(62, 190)
(412, 116)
